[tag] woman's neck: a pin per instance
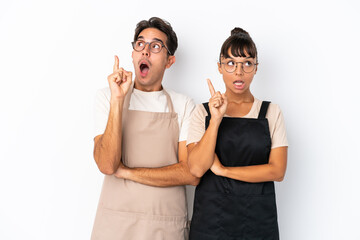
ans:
(245, 97)
(239, 105)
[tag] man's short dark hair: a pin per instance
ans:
(161, 25)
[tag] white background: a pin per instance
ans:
(55, 55)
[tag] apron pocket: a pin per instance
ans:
(207, 209)
(261, 219)
(233, 215)
(117, 225)
(195, 235)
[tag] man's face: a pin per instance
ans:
(150, 67)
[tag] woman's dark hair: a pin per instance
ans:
(240, 43)
(163, 26)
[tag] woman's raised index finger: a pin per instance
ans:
(116, 64)
(211, 87)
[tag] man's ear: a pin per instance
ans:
(170, 61)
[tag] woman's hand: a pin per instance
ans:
(217, 103)
(217, 168)
(119, 81)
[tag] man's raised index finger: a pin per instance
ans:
(211, 87)
(116, 64)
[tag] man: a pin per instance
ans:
(140, 144)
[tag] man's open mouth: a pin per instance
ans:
(144, 68)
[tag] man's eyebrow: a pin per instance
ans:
(157, 39)
(154, 39)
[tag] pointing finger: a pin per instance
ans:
(211, 87)
(116, 64)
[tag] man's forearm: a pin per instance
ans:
(107, 150)
(172, 175)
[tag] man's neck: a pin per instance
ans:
(150, 88)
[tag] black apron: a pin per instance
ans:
(226, 208)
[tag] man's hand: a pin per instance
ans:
(119, 81)
(121, 172)
(217, 103)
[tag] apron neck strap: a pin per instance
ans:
(263, 109)
(169, 102)
(206, 106)
(128, 96)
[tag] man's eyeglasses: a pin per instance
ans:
(247, 66)
(155, 46)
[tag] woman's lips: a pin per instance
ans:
(239, 84)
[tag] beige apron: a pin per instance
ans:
(129, 210)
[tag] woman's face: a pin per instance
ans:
(244, 69)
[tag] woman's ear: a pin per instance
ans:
(170, 61)
(257, 65)
(219, 68)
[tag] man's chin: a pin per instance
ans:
(145, 84)
(146, 81)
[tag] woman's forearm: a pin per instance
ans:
(255, 173)
(201, 155)
(273, 171)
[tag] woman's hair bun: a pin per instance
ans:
(239, 31)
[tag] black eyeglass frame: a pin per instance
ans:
(242, 67)
(161, 43)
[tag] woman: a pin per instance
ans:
(238, 145)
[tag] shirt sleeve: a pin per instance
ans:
(278, 129)
(189, 107)
(197, 124)
(101, 111)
